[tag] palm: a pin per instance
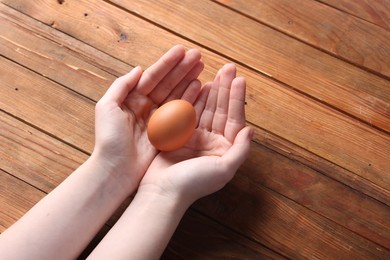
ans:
(202, 143)
(124, 110)
(201, 167)
(130, 133)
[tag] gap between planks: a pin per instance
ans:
(316, 213)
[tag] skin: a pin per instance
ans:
(61, 225)
(176, 179)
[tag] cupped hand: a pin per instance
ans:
(219, 145)
(121, 141)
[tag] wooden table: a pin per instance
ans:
(317, 183)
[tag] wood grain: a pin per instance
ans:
(41, 149)
(198, 238)
(34, 157)
(57, 55)
(27, 31)
(333, 136)
(376, 11)
(329, 198)
(276, 55)
(61, 63)
(39, 101)
(271, 218)
(340, 34)
(70, 98)
(16, 198)
(292, 65)
(325, 167)
(316, 184)
(37, 156)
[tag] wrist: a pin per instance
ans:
(162, 202)
(152, 214)
(111, 174)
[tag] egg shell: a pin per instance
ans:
(172, 125)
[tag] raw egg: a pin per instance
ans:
(172, 125)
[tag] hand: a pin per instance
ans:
(219, 145)
(122, 113)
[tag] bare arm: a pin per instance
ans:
(64, 222)
(176, 179)
(61, 225)
(144, 229)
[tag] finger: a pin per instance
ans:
(175, 76)
(236, 114)
(181, 88)
(200, 102)
(192, 91)
(121, 87)
(221, 113)
(156, 72)
(207, 115)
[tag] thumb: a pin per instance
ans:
(121, 87)
(240, 149)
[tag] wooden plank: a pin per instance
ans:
(198, 238)
(338, 139)
(57, 55)
(20, 42)
(329, 198)
(350, 89)
(284, 226)
(376, 11)
(360, 245)
(34, 154)
(340, 34)
(321, 165)
(196, 235)
(92, 55)
(16, 198)
(42, 149)
(47, 105)
(333, 136)
(61, 63)
(34, 157)
(334, 81)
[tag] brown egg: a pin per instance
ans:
(172, 125)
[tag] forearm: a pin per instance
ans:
(144, 229)
(63, 223)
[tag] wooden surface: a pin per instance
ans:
(317, 183)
